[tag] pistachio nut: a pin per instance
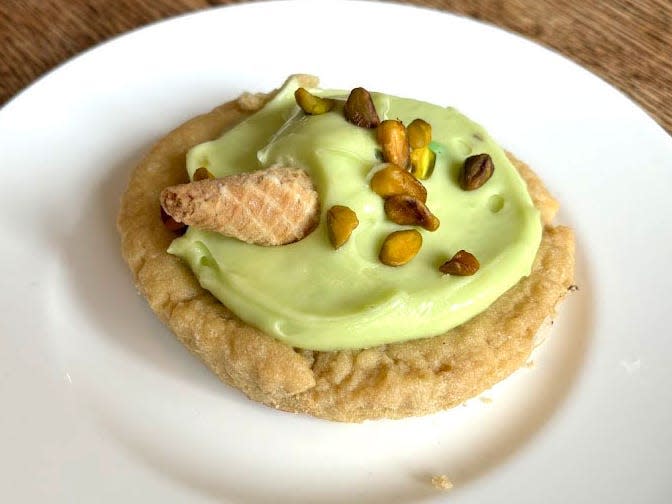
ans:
(419, 133)
(463, 263)
(311, 104)
(360, 110)
(476, 171)
(202, 173)
(407, 210)
(423, 160)
(392, 179)
(391, 136)
(341, 221)
(400, 247)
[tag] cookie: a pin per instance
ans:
(389, 381)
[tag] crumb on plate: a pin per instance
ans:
(441, 482)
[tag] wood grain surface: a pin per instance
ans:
(626, 42)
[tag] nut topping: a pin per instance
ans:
(391, 136)
(311, 104)
(422, 162)
(360, 110)
(393, 180)
(202, 173)
(419, 134)
(341, 221)
(407, 210)
(476, 171)
(400, 247)
(461, 264)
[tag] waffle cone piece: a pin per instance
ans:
(394, 381)
(269, 207)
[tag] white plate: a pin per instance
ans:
(101, 404)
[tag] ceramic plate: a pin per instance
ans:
(100, 403)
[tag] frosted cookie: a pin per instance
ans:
(324, 325)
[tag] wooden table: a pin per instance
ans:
(626, 42)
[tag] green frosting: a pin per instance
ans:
(311, 296)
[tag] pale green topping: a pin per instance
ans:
(312, 296)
